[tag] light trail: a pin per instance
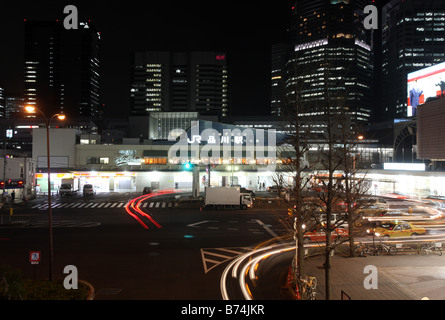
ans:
(246, 266)
(234, 266)
(133, 208)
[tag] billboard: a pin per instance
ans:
(424, 85)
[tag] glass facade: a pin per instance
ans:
(332, 60)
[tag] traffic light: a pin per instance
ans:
(188, 166)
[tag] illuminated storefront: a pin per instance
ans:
(101, 181)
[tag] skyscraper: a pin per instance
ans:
(280, 55)
(62, 68)
(413, 37)
(332, 58)
(179, 81)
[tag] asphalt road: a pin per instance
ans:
(181, 260)
(122, 260)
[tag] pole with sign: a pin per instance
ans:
(34, 259)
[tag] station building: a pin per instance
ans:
(224, 154)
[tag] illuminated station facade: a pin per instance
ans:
(222, 154)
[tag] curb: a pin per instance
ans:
(91, 292)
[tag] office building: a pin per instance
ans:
(62, 68)
(180, 82)
(2, 102)
(279, 57)
(332, 58)
(413, 37)
(14, 107)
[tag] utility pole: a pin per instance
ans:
(195, 182)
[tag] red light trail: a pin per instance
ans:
(132, 208)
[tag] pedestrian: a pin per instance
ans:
(12, 196)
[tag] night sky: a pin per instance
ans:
(245, 30)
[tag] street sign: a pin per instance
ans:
(34, 257)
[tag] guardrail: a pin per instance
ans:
(313, 249)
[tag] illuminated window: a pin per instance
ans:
(155, 160)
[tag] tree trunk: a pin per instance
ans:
(327, 269)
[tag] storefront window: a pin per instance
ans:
(155, 160)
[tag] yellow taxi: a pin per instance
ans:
(394, 229)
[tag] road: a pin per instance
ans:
(122, 259)
(260, 274)
(180, 254)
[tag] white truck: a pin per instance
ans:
(69, 186)
(227, 197)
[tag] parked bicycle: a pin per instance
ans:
(430, 248)
(389, 248)
(363, 249)
(307, 287)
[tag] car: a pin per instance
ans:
(276, 188)
(394, 229)
(372, 210)
(147, 190)
(397, 195)
(319, 235)
(88, 189)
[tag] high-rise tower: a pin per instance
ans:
(332, 58)
(180, 81)
(62, 68)
(279, 55)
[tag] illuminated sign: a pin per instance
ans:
(127, 157)
(229, 145)
(221, 57)
(423, 85)
(362, 44)
(312, 44)
(214, 139)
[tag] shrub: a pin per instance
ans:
(52, 290)
(11, 283)
(14, 287)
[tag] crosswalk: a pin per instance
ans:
(99, 205)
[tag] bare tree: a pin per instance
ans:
(327, 125)
(337, 156)
(279, 179)
(355, 187)
(295, 162)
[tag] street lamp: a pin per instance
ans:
(33, 109)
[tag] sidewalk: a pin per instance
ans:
(401, 277)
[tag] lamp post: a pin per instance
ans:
(33, 109)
